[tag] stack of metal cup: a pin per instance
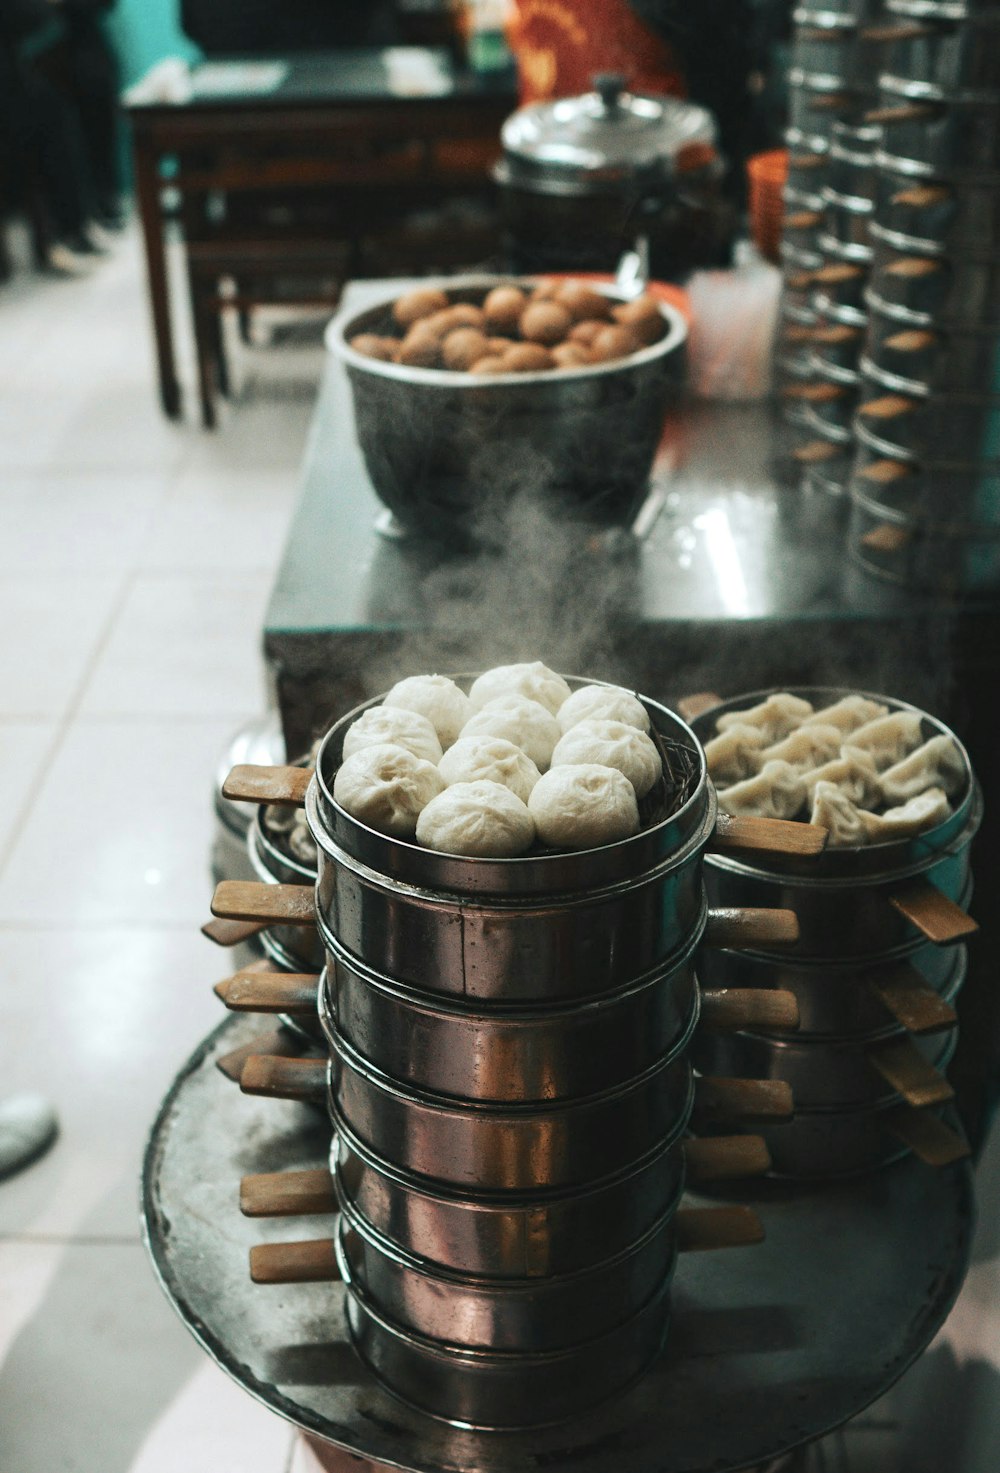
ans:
(510, 1086)
(926, 479)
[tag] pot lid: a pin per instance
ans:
(608, 136)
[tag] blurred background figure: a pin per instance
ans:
(253, 27)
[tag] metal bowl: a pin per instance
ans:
(531, 1054)
(447, 452)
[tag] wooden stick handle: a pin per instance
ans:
(914, 340)
(903, 112)
(246, 900)
(697, 704)
(726, 1009)
(803, 220)
(887, 406)
(277, 1042)
(885, 472)
(901, 1064)
(915, 266)
(903, 30)
(311, 1262)
(250, 784)
(726, 1158)
(279, 1078)
(941, 920)
(911, 1000)
(923, 196)
(702, 1228)
(231, 933)
(816, 451)
(886, 537)
(287, 1194)
(270, 992)
(751, 926)
(929, 1138)
(768, 836)
(732, 1101)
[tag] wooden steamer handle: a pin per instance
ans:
(251, 784)
(888, 407)
(702, 1228)
(914, 340)
(276, 1044)
(288, 1193)
(901, 1064)
(886, 537)
(911, 1000)
(903, 112)
(727, 1009)
(768, 836)
(284, 1078)
(725, 1158)
(885, 472)
(939, 919)
(732, 1101)
(230, 933)
(816, 452)
(930, 1139)
(751, 927)
(270, 992)
(249, 900)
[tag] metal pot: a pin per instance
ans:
(939, 214)
(507, 1056)
(945, 60)
(838, 1000)
(526, 1315)
(822, 1144)
(495, 1389)
(931, 556)
(503, 1238)
(514, 1149)
(446, 452)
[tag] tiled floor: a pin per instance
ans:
(135, 563)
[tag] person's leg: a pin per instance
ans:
(96, 81)
(51, 132)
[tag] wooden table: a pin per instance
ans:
(313, 121)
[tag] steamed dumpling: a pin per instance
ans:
(387, 788)
(521, 721)
(484, 819)
(776, 717)
(854, 775)
(611, 744)
(937, 764)
(439, 699)
(735, 754)
(489, 759)
(844, 821)
(778, 791)
(582, 807)
(889, 738)
(806, 748)
(847, 714)
(398, 727)
(533, 680)
(923, 812)
(603, 703)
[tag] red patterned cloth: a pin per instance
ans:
(560, 44)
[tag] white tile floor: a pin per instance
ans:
(124, 535)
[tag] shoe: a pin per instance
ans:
(62, 260)
(28, 1126)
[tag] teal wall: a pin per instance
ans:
(145, 31)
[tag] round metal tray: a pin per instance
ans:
(766, 1351)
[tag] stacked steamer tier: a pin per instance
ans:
(879, 959)
(926, 482)
(510, 1086)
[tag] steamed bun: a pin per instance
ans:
(611, 744)
(398, 727)
(439, 699)
(517, 719)
(483, 818)
(581, 807)
(534, 680)
(603, 703)
(387, 787)
(491, 759)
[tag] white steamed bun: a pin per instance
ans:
(439, 699)
(603, 703)
(398, 727)
(584, 806)
(611, 744)
(521, 721)
(534, 680)
(387, 787)
(483, 818)
(491, 759)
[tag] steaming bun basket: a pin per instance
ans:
(448, 452)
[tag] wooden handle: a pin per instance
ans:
(696, 705)
(249, 784)
(914, 267)
(911, 1000)
(287, 1194)
(941, 920)
(725, 1101)
(887, 406)
(923, 196)
(768, 836)
(836, 333)
(826, 102)
(798, 332)
(815, 393)
(901, 1064)
(807, 161)
(886, 537)
(311, 1262)
(816, 452)
(270, 992)
(278, 1078)
(885, 472)
(702, 1228)
(803, 220)
(751, 926)
(929, 1138)
(726, 1009)
(915, 340)
(836, 272)
(904, 30)
(903, 112)
(726, 1158)
(800, 281)
(277, 1042)
(231, 933)
(245, 900)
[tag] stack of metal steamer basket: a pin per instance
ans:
(826, 251)
(926, 482)
(876, 970)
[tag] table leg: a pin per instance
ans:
(147, 190)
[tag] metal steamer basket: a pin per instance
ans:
(824, 1144)
(916, 356)
(938, 213)
(938, 557)
(932, 134)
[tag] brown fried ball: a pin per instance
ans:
(492, 363)
(582, 302)
(420, 303)
(463, 347)
(643, 316)
(585, 332)
(421, 348)
(503, 307)
(545, 322)
(614, 342)
(373, 346)
(526, 358)
(571, 355)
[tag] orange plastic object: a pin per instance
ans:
(766, 175)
